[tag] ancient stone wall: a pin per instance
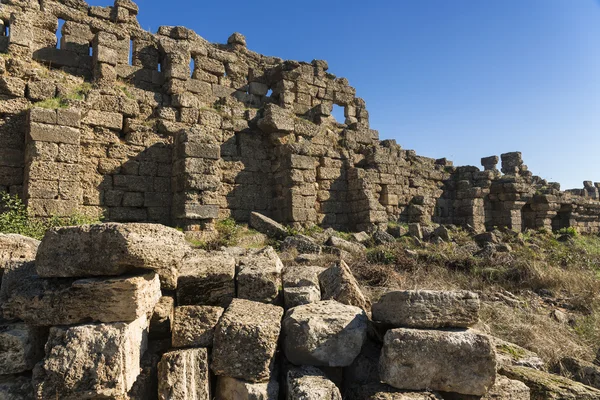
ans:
(177, 130)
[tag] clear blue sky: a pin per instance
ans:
(461, 79)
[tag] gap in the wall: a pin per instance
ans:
(131, 45)
(338, 114)
(61, 22)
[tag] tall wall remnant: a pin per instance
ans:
(169, 128)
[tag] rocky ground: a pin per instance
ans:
(134, 311)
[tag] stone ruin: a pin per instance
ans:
(114, 121)
(132, 312)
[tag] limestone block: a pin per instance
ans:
(309, 383)
(581, 371)
(326, 333)
(104, 119)
(380, 391)
(302, 162)
(162, 318)
(544, 385)
(301, 243)
(12, 86)
(235, 389)
(301, 285)
(15, 388)
(353, 248)
(382, 237)
(52, 133)
(91, 361)
(415, 231)
(184, 375)
(48, 302)
(276, 119)
(509, 354)
(503, 389)
(267, 226)
(246, 340)
(206, 279)
(21, 347)
(459, 361)
(259, 276)
(194, 326)
(40, 90)
(81, 251)
(338, 283)
(16, 248)
(427, 309)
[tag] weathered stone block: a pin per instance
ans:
(184, 375)
(16, 248)
(12, 86)
(427, 309)
(246, 340)
(206, 279)
(40, 90)
(194, 326)
(198, 212)
(47, 302)
(338, 283)
(459, 361)
(327, 334)
(301, 285)
(581, 371)
(13, 387)
(81, 251)
(43, 115)
(380, 391)
(93, 361)
(353, 248)
(309, 383)
(276, 119)
(302, 244)
(259, 276)
(503, 389)
(104, 119)
(544, 385)
(235, 389)
(52, 133)
(21, 347)
(267, 226)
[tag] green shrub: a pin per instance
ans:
(14, 218)
(381, 256)
(570, 231)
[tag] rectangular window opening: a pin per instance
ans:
(61, 23)
(131, 47)
(338, 113)
(5, 31)
(192, 67)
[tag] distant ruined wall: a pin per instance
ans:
(173, 129)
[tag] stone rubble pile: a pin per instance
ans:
(132, 312)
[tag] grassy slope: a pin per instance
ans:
(522, 289)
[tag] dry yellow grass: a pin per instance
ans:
(542, 274)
